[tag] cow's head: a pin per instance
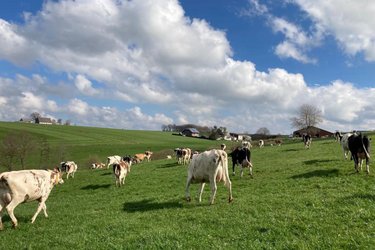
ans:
(56, 176)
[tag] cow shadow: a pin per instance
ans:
(370, 197)
(149, 205)
(314, 162)
(317, 173)
(95, 187)
(106, 174)
(291, 150)
(170, 165)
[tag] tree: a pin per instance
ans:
(25, 144)
(34, 116)
(8, 150)
(307, 116)
(263, 131)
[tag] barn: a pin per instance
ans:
(313, 131)
(43, 120)
(192, 132)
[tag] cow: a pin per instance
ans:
(338, 136)
(246, 144)
(148, 155)
(139, 157)
(242, 157)
(359, 146)
(24, 186)
(69, 167)
(261, 143)
(183, 155)
(97, 165)
(223, 146)
(307, 140)
(113, 159)
(278, 142)
(121, 170)
(344, 144)
(209, 166)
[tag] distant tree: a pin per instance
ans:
(8, 150)
(59, 121)
(68, 122)
(25, 145)
(307, 116)
(44, 152)
(263, 131)
(34, 116)
(217, 133)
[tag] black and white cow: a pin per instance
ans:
(242, 157)
(359, 146)
(307, 140)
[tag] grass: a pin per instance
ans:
(298, 199)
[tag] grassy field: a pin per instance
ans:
(298, 199)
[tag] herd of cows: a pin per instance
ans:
(207, 167)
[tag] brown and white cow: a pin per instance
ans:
(148, 155)
(209, 166)
(97, 165)
(113, 159)
(120, 171)
(69, 167)
(139, 157)
(24, 186)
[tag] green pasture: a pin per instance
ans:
(298, 198)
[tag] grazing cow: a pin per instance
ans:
(139, 157)
(261, 143)
(113, 159)
(120, 171)
(26, 185)
(278, 142)
(209, 166)
(148, 155)
(69, 167)
(344, 144)
(307, 140)
(359, 146)
(242, 157)
(97, 165)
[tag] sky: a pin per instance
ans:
(141, 64)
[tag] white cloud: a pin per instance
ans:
(148, 52)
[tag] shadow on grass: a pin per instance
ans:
(370, 197)
(149, 205)
(106, 174)
(95, 187)
(170, 165)
(292, 150)
(313, 162)
(317, 173)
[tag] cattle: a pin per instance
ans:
(24, 186)
(183, 155)
(261, 143)
(113, 159)
(359, 146)
(223, 146)
(139, 157)
(278, 142)
(209, 166)
(242, 157)
(97, 165)
(121, 170)
(338, 136)
(69, 167)
(246, 144)
(307, 140)
(148, 155)
(344, 144)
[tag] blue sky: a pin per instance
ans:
(242, 64)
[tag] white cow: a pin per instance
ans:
(261, 143)
(345, 145)
(113, 159)
(120, 171)
(26, 185)
(69, 167)
(209, 166)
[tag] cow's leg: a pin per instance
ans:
(213, 189)
(10, 208)
(200, 192)
(45, 210)
(241, 171)
(40, 207)
(233, 165)
(251, 170)
(187, 189)
(2, 205)
(367, 166)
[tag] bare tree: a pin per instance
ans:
(263, 131)
(44, 152)
(25, 144)
(34, 116)
(307, 116)
(8, 150)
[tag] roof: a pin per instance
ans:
(44, 119)
(193, 130)
(303, 130)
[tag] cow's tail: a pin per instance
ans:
(223, 160)
(364, 148)
(116, 169)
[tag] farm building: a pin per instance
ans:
(43, 120)
(192, 132)
(313, 131)
(240, 137)
(26, 120)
